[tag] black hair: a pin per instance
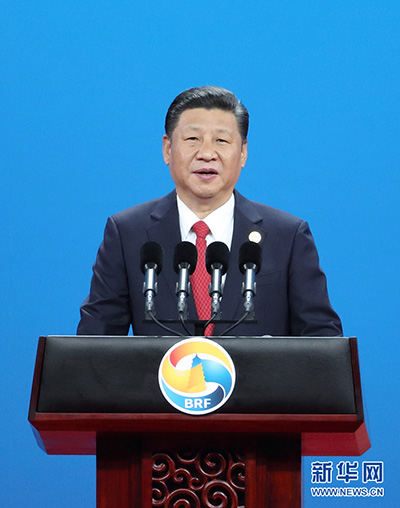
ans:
(208, 97)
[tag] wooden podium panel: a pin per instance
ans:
(263, 473)
(155, 456)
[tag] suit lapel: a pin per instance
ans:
(165, 230)
(247, 219)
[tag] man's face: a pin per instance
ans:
(205, 155)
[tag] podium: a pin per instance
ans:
(293, 396)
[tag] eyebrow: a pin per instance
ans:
(198, 129)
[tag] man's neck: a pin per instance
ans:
(204, 207)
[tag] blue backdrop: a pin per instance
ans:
(84, 87)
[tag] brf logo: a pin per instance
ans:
(197, 376)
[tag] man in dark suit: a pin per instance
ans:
(205, 146)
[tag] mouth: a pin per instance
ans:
(206, 172)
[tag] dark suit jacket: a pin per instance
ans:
(291, 294)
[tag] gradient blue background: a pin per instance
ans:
(84, 87)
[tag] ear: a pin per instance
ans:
(166, 148)
(244, 153)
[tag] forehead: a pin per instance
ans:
(208, 119)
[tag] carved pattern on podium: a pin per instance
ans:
(198, 479)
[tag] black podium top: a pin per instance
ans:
(86, 387)
(285, 375)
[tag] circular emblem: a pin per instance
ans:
(197, 376)
(255, 237)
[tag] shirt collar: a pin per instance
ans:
(217, 220)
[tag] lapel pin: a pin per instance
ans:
(255, 237)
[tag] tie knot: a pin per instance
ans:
(201, 229)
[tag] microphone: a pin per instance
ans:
(185, 260)
(151, 260)
(249, 265)
(217, 262)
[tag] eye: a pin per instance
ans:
(222, 140)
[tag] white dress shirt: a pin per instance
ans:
(220, 223)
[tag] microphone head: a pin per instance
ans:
(250, 252)
(151, 252)
(185, 252)
(217, 252)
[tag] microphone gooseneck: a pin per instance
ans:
(250, 256)
(151, 260)
(185, 260)
(217, 262)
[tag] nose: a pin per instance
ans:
(206, 151)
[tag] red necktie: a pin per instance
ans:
(200, 280)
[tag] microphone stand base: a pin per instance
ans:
(199, 323)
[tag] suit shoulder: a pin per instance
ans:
(270, 214)
(279, 214)
(143, 211)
